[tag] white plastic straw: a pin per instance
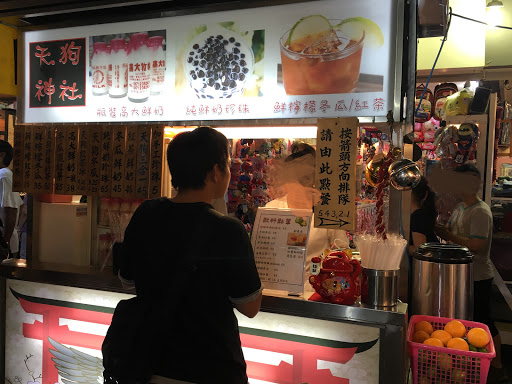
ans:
(376, 253)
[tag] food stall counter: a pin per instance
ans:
(53, 309)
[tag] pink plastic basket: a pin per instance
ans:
(439, 365)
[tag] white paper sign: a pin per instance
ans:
(279, 239)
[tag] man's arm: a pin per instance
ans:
(251, 308)
(474, 244)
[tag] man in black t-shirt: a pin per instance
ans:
(167, 238)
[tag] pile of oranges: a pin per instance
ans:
(453, 336)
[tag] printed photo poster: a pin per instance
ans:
(127, 69)
(335, 176)
(57, 332)
(279, 239)
(317, 59)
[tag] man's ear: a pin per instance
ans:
(214, 174)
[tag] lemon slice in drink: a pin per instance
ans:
(309, 25)
(353, 28)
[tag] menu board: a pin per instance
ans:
(115, 161)
(60, 148)
(105, 161)
(42, 145)
(336, 173)
(18, 159)
(49, 159)
(71, 160)
(143, 156)
(93, 171)
(118, 163)
(84, 155)
(279, 239)
(130, 166)
(156, 166)
(312, 59)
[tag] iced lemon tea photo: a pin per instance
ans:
(322, 56)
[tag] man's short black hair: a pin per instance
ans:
(6, 148)
(192, 155)
(468, 168)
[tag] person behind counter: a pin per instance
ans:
(423, 216)
(298, 177)
(205, 347)
(471, 226)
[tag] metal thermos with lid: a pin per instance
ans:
(442, 283)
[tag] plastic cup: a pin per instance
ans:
(326, 73)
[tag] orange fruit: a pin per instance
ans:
(420, 336)
(423, 326)
(458, 343)
(455, 328)
(433, 341)
(441, 335)
(478, 337)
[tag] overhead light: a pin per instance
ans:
(249, 132)
(494, 3)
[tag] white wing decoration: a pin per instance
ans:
(75, 366)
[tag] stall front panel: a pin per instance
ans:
(307, 60)
(51, 326)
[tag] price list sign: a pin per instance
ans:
(71, 161)
(18, 159)
(279, 240)
(37, 157)
(84, 151)
(143, 153)
(155, 176)
(118, 163)
(106, 161)
(49, 160)
(130, 166)
(60, 149)
(335, 171)
(93, 170)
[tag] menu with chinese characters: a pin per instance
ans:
(93, 177)
(230, 65)
(143, 153)
(84, 152)
(335, 176)
(60, 149)
(118, 161)
(279, 239)
(155, 167)
(130, 161)
(71, 161)
(115, 161)
(106, 161)
(18, 159)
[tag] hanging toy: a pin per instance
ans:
(468, 134)
(445, 140)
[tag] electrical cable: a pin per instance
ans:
(478, 21)
(435, 62)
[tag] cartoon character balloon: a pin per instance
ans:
(468, 134)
